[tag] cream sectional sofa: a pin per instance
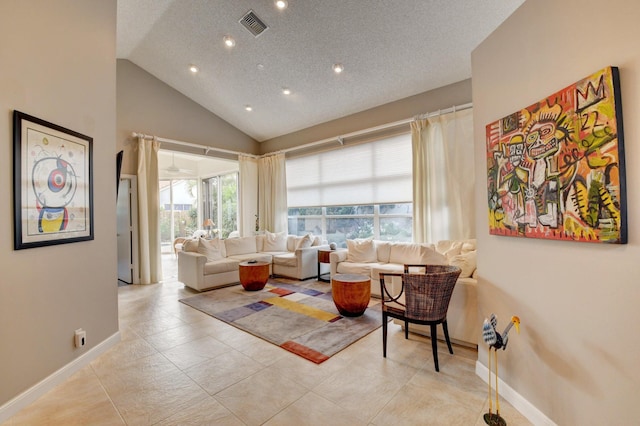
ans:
(208, 264)
(370, 257)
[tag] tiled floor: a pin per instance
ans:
(177, 366)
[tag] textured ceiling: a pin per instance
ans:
(390, 50)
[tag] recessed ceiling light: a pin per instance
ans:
(281, 4)
(248, 108)
(338, 68)
(286, 91)
(229, 41)
(260, 67)
(194, 69)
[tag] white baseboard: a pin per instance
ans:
(518, 402)
(29, 396)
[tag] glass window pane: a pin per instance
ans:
(229, 206)
(404, 208)
(396, 229)
(349, 210)
(305, 211)
(341, 229)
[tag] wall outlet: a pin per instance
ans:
(81, 338)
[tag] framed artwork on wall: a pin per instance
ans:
(52, 183)
(555, 169)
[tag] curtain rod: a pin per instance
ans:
(339, 139)
(193, 145)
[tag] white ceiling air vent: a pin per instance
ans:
(254, 24)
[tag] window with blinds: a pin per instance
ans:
(376, 172)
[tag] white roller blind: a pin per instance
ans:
(370, 173)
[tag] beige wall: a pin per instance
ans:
(576, 358)
(147, 105)
(58, 64)
(433, 100)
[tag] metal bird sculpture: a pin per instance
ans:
(496, 341)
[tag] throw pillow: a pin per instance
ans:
(210, 248)
(275, 242)
(361, 251)
(466, 262)
(303, 242)
(190, 246)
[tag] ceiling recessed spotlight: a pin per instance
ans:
(248, 108)
(338, 68)
(229, 41)
(281, 4)
(260, 67)
(193, 69)
(286, 91)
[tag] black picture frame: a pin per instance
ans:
(52, 184)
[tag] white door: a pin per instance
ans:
(125, 231)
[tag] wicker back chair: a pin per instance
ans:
(423, 298)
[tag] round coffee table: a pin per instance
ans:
(253, 275)
(351, 293)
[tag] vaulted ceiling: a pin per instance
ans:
(389, 49)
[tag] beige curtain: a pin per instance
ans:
(443, 177)
(149, 211)
(272, 193)
(248, 192)
(419, 130)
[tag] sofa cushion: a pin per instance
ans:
(275, 242)
(304, 241)
(387, 267)
(383, 248)
(260, 257)
(210, 248)
(414, 253)
(449, 248)
(466, 262)
(241, 245)
(285, 259)
(190, 245)
(361, 251)
(363, 268)
(468, 245)
(220, 266)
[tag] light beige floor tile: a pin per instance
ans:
(223, 371)
(176, 336)
(205, 413)
(305, 372)
(150, 389)
(124, 352)
(363, 391)
(157, 324)
(414, 405)
(261, 396)
(80, 400)
(196, 351)
(314, 410)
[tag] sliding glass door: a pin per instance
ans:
(178, 210)
(220, 203)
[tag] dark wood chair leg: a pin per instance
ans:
(434, 345)
(446, 336)
(384, 335)
(406, 329)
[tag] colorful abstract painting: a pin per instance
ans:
(555, 169)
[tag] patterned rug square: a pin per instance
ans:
(298, 316)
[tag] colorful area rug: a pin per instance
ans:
(299, 317)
